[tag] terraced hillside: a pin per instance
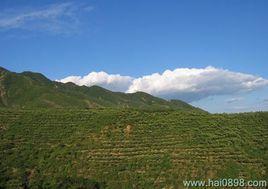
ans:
(112, 148)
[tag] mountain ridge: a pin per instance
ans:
(34, 90)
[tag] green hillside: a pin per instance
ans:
(112, 148)
(33, 90)
(55, 135)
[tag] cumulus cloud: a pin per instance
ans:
(108, 81)
(61, 18)
(188, 84)
(194, 84)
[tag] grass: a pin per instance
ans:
(124, 148)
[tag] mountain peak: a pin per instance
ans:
(34, 90)
(3, 69)
(38, 77)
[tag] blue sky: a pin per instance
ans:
(138, 38)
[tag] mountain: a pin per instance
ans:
(34, 90)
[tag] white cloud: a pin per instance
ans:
(233, 100)
(188, 84)
(59, 18)
(108, 81)
(194, 84)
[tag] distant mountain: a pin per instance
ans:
(34, 90)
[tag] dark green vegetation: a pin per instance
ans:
(112, 148)
(33, 90)
(55, 135)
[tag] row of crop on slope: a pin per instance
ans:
(129, 148)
